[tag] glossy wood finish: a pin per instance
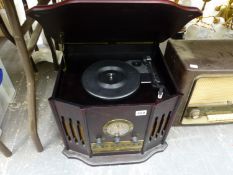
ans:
(71, 104)
(113, 21)
(77, 23)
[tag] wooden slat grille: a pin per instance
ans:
(73, 130)
(159, 126)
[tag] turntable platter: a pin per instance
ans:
(111, 79)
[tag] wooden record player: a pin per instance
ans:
(114, 99)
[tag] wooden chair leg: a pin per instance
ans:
(53, 51)
(57, 45)
(9, 37)
(27, 66)
(25, 4)
(5, 31)
(5, 150)
(36, 48)
(33, 65)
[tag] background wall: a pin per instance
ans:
(209, 10)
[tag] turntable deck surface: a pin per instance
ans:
(70, 85)
(71, 89)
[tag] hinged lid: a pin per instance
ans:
(113, 21)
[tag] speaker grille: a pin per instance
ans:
(212, 91)
(73, 130)
(159, 126)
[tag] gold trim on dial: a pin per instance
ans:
(111, 147)
(117, 127)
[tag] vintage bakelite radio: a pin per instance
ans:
(114, 100)
(203, 71)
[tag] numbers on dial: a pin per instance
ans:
(118, 127)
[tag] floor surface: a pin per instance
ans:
(206, 150)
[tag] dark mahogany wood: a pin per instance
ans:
(213, 57)
(80, 116)
(113, 21)
(72, 105)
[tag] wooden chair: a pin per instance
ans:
(5, 31)
(25, 51)
(5, 150)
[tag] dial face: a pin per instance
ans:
(118, 127)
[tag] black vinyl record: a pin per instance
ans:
(111, 79)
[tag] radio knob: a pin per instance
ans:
(195, 113)
(117, 139)
(99, 141)
(134, 139)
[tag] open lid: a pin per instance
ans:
(113, 21)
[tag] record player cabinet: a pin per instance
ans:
(121, 30)
(81, 117)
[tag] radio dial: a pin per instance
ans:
(118, 127)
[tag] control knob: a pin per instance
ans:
(195, 113)
(117, 139)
